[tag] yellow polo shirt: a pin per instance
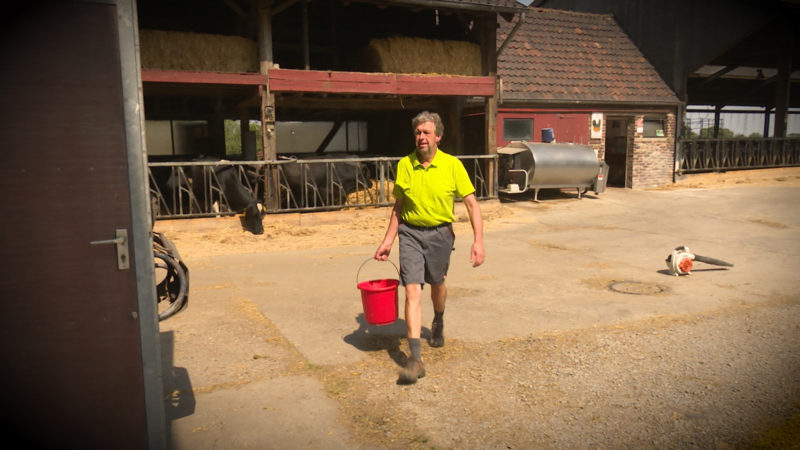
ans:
(428, 192)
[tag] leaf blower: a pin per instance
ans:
(681, 261)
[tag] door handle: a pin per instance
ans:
(121, 241)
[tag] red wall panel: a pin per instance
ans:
(567, 126)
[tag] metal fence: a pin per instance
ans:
(204, 188)
(708, 155)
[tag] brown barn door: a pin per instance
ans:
(616, 152)
(71, 342)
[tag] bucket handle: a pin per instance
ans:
(373, 259)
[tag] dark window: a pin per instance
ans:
(517, 129)
(654, 128)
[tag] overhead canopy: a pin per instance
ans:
(709, 52)
(747, 73)
(502, 6)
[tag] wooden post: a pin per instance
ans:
(306, 51)
(267, 103)
(248, 141)
(782, 83)
(489, 52)
(453, 132)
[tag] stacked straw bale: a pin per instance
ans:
(425, 56)
(173, 50)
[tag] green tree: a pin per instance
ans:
(724, 133)
(233, 138)
(688, 133)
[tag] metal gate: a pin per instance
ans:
(707, 155)
(193, 189)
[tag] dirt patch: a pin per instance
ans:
(785, 176)
(595, 388)
(226, 237)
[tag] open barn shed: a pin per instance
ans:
(313, 76)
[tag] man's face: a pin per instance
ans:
(426, 139)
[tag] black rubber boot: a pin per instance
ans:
(437, 334)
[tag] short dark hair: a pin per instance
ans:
(427, 116)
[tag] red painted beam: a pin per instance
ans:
(184, 76)
(290, 80)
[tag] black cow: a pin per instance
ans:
(321, 183)
(196, 188)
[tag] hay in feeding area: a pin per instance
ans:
(426, 56)
(373, 194)
(175, 50)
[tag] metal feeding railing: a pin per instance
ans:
(200, 188)
(707, 155)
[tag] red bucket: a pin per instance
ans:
(379, 299)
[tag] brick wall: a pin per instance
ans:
(651, 162)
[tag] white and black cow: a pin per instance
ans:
(193, 190)
(239, 198)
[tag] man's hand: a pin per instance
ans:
(476, 255)
(382, 254)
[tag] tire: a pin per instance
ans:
(172, 290)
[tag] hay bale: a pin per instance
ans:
(174, 50)
(426, 56)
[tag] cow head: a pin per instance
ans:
(252, 219)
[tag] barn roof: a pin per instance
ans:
(509, 6)
(568, 57)
(505, 6)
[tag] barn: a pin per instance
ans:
(315, 77)
(579, 77)
(728, 61)
(81, 83)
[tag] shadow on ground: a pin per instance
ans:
(179, 398)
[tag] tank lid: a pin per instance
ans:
(514, 147)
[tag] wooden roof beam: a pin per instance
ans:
(292, 80)
(279, 8)
(719, 73)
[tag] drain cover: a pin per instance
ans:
(637, 288)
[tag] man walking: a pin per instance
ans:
(428, 180)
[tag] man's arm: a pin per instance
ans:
(382, 254)
(476, 255)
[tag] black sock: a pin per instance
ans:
(414, 345)
(437, 317)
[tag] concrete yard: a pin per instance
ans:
(572, 334)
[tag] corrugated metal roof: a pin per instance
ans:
(576, 57)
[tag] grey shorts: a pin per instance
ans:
(425, 253)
